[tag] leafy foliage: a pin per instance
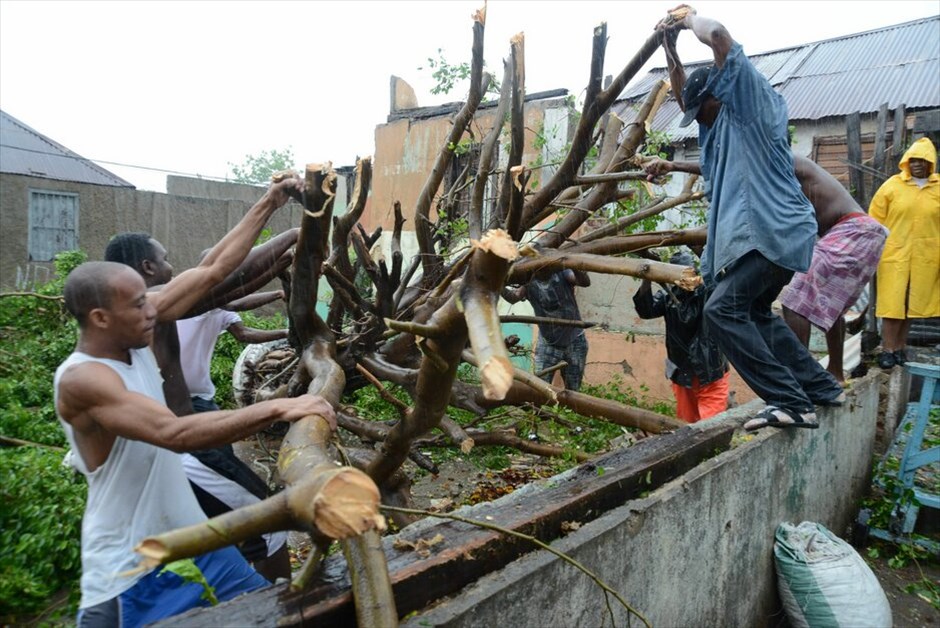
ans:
(189, 571)
(447, 75)
(553, 425)
(41, 504)
(257, 169)
(41, 501)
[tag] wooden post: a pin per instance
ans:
(870, 338)
(853, 140)
(900, 133)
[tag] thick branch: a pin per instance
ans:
(342, 227)
(591, 179)
(430, 260)
(603, 192)
(319, 193)
(682, 276)
(487, 157)
(545, 320)
(432, 392)
(616, 245)
(512, 193)
(397, 258)
(479, 294)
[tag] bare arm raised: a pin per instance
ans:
(708, 31)
(184, 291)
(253, 301)
(95, 402)
(263, 263)
(676, 71)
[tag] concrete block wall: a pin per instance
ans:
(699, 550)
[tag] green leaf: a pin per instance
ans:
(190, 572)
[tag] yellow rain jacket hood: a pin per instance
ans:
(921, 149)
(909, 272)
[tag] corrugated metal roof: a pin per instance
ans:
(24, 150)
(897, 64)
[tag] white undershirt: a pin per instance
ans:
(197, 342)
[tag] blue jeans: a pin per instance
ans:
(762, 348)
(203, 405)
(155, 596)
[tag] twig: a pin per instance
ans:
(16, 442)
(291, 364)
(415, 329)
(551, 369)
(310, 568)
(568, 559)
(35, 295)
(543, 320)
(456, 269)
(590, 179)
(401, 406)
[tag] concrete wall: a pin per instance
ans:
(184, 224)
(406, 149)
(697, 551)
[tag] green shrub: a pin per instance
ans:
(41, 501)
(41, 504)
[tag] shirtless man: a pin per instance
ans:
(844, 258)
(110, 402)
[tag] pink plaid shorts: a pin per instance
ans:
(844, 260)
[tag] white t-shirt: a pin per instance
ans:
(197, 342)
(139, 491)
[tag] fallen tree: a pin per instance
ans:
(415, 333)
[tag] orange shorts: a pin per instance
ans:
(701, 402)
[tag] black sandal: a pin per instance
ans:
(772, 416)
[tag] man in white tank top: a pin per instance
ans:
(127, 442)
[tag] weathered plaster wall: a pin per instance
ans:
(406, 149)
(697, 551)
(185, 225)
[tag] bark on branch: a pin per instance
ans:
(430, 260)
(479, 295)
(682, 276)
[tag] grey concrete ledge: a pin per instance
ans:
(698, 550)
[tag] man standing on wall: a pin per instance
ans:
(761, 229)
(844, 260)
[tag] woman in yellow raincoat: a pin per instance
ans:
(908, 204)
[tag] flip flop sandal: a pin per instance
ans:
(772, 416)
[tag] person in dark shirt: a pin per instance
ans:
(552, 296)
(695, 365)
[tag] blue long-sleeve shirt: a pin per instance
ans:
(755, 199)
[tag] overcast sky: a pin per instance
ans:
(192, 86)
